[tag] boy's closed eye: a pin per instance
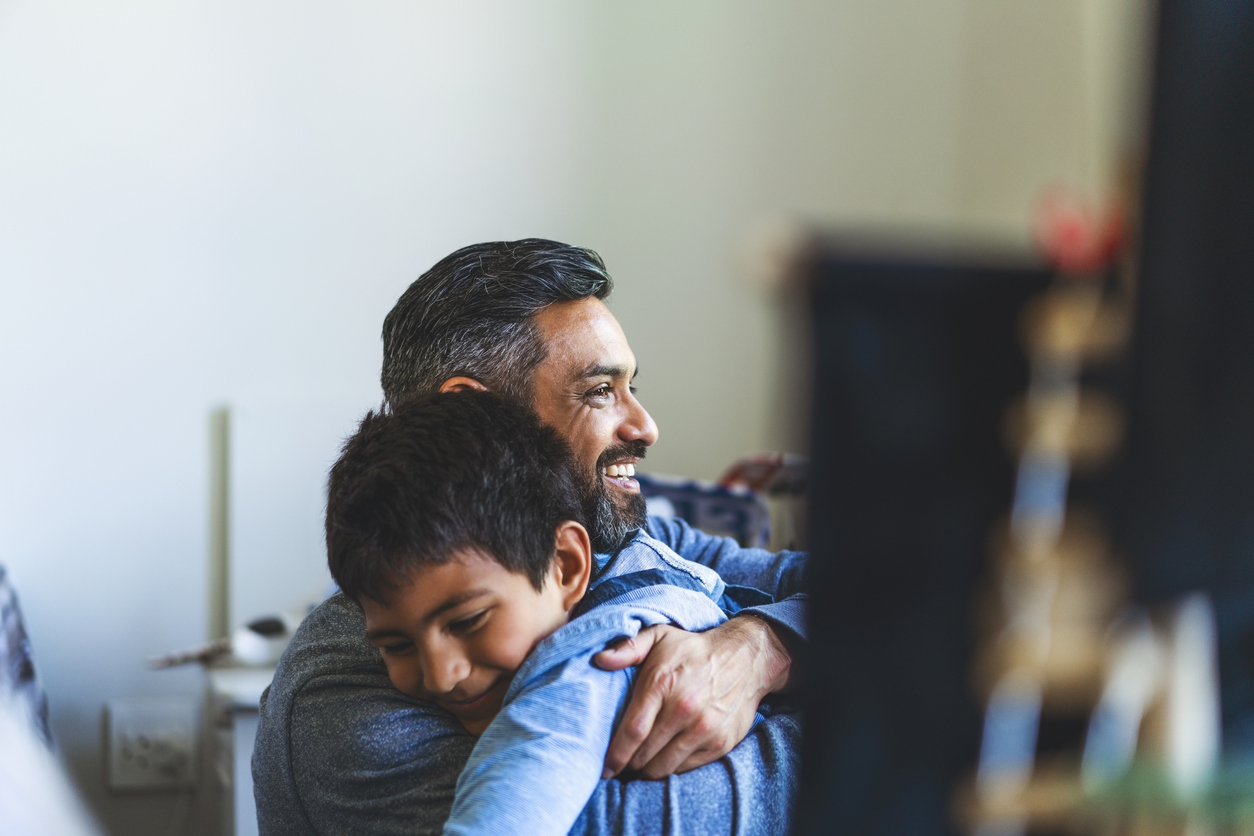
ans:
(460, 626)
(396, 648)
(470, 622)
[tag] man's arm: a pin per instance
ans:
(781, 574)
(697, 693)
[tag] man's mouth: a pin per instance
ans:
(622, 476)
(612, 500)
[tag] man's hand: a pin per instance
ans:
(695, 696)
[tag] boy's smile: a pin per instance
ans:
(456, 633)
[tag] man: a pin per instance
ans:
(340, 750)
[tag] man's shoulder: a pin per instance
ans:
(331, 692)
(331, 664)
(330, 716)
(329, 641)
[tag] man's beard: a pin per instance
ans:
(609, 522)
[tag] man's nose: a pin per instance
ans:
(443, 668)
(638, 424)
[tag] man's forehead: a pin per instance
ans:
(584, 337)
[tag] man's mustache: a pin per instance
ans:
(625, 450)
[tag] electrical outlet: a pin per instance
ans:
(152, 743)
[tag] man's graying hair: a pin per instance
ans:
(471, 314)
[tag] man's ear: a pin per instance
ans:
(572, 562)
(461, 384)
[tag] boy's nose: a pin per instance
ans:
(443, 670)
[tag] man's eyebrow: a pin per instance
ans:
(602, 370)
(455, 601)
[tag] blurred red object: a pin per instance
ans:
(1075, 237)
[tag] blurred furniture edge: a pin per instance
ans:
(36, 797)
(19, 681)
(235, 694)
(916, 356)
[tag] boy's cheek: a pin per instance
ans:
(403, 678)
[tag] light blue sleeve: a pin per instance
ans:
(539, 761)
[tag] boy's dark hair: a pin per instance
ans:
(471, 314)
(436, 474)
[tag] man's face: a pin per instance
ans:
(457, 632)
(583, 390)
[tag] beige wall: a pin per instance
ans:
(715, 122)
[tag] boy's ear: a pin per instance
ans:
(572, 562)
(461, 384)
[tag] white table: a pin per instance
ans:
(236, 695)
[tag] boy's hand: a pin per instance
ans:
(695, 696)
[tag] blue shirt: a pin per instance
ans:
(539, 761)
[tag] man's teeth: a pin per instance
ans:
(620, 470)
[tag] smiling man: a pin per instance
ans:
(583, 388)
(340, 750)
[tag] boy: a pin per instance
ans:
(454, 522)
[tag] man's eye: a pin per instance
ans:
(397, 649)
(601, 392)
(464, 624)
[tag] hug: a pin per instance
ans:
(516, 643)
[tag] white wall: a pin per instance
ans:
(212, 202)
(200, 202)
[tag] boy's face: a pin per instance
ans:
(457, 633)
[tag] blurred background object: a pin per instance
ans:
(36, 798)
(772, 473)
(1134, 485)
(916, 360)
(735, 512)
(19, 679)
(217, 203)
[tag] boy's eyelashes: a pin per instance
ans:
(463, 625)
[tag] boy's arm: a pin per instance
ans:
(539, 762)
(342, 751)
(697, 694)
